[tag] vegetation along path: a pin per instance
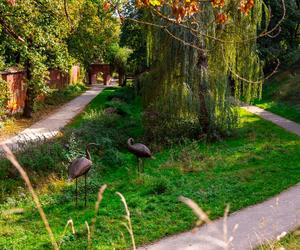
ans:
(251, 226)
(50, 126)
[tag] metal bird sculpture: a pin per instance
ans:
(81, 166)
(140, 151)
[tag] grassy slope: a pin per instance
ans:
(281, 94)
(259, 162)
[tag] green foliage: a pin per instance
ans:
(118, 57)
(4, 94)
(38, 35)
(134, 36)
(121, 108)
(94, 34)
(197, 77)
(285, 44)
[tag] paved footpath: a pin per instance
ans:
(276, 119)
(50, 126)
(248, 227)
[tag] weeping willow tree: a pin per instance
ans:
(203, 62)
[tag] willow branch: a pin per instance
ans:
(246, 80)
(67, 13)
(165, 28)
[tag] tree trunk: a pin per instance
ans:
(30, 93)
(122, 78)
(203, 92)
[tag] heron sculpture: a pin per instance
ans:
(81, 166)
(140, 151)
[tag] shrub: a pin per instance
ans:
(4, 94)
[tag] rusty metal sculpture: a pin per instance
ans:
(140, 151)
(79, 167)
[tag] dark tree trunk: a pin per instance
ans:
(122, 78)
(203, 91)
(30, 93)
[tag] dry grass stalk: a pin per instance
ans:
(99, 199)
(13, 211)
(225, 229)
(71, 224)
(10, 156)
(196, 209)
(203, 217)
(127, 217)
(89, 233)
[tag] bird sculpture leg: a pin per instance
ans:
(143, 166)
(85, 190)
(138, 165)
(76, 192)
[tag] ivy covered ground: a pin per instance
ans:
(257, 162)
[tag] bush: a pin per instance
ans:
(4, 94)
(163, 129)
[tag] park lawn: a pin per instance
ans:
(281, 94)
(259, 161)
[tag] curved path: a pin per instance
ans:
(50, 126)
(248, 227)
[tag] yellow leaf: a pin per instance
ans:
(155, 2)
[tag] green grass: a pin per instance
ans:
(281, 94)
(290, 242)
(258, 162)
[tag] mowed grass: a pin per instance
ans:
(260, 161)
(281, 94)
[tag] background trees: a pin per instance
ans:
(38, 34)
(285, 44)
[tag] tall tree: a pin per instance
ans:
(33, 36)
(38, 34)
(285, 44)
(202, 54)
(97, 29)
(134, 36)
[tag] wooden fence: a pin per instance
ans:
(16, 81)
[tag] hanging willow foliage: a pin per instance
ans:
(199, 75)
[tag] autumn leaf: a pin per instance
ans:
(155, 2)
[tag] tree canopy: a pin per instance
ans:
(38, 34)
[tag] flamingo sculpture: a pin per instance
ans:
(81, 166)
(140, 151)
